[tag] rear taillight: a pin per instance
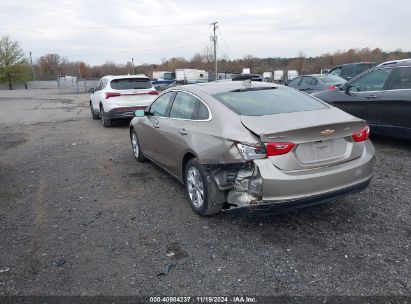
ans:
(112, 94)
(153, 93)
(332, 87)
(362, 134)
(251, 152)
(278, 148)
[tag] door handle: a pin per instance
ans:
(156, 124)
(183, 131)
(371, 97)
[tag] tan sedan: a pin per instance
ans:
(254, 146)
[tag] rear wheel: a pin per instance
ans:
(104, 120)
(93, 114)
(135, 145)
(197, 189)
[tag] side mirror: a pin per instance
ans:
(139, 113)
(351, 90)
(91, 90)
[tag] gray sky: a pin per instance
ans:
(97, 31)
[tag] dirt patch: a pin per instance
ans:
(11, 140)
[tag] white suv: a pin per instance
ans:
(117, 97)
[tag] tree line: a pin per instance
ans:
(16, 67)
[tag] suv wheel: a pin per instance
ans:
(135, 145)
(93, 114)
(195, 181)
(104, 120)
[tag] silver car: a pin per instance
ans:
(253, 146)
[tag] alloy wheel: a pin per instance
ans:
(195, 187)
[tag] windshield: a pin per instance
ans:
(131, 84)
(267, 101)
(331, 79)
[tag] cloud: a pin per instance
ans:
(96, 31)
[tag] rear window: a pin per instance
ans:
(267, 101)
(331, 79)
(130, 84)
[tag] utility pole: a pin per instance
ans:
(214, 39)
(32, 67)
(132, 63)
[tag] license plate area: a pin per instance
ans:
(321, 151)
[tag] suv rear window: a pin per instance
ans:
(131, 84)
(267, 101)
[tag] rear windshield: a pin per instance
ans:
(267, 101)
(331, 79)
(130, 84)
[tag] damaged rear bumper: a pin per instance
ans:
(276, 207)
(259, 186)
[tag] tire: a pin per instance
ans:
(135, 146)
(104, 120)
(93, 114)
(195, 182)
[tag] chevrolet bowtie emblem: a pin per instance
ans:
(327, 132)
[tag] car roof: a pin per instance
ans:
(400, 62)
(111, 77)
(216, 87)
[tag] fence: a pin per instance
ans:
(75, 85)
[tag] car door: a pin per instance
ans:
(95, 95)
(98, 95)
(178, 131)
(395, 106)
(150, 126)
(361, 96)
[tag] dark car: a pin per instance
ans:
(381, 96)
(252, 77)
(349, 70)
(316, 82)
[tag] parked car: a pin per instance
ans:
(349, 70)
(252, 77)
(381, 96)
(316, 82)
(117, 97)
(255, 146)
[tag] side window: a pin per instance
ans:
(98, 87)
(347, 70)
(336, 71)
(373, 81)
(202, 112)
(401, 79)
(307, 82)
(362, 67)
(294, 83)
(184, 106)
(159, 106)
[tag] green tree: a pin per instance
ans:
(13, 66)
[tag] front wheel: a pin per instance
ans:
(93, 114)
(197, 189)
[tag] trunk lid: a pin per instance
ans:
(321, 137)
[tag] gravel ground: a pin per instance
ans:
(79, 216)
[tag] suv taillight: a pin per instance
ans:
(362, 134)
(112, 94)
